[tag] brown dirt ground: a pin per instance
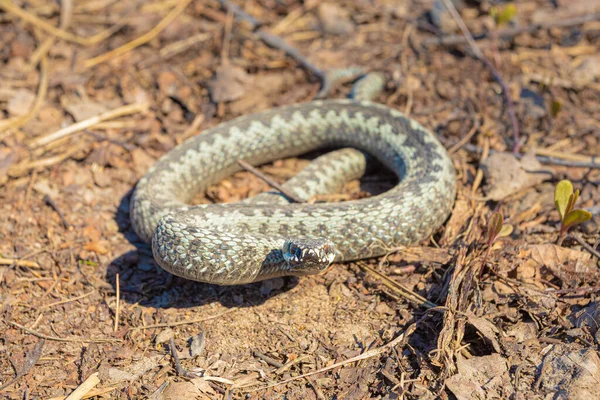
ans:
(508, 324)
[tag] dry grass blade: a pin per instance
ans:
(145, 38)
(59, 339)
(363, 356)
(85, 387)
(57, 303)
(16, 122)
(88, 123)
(398, 288)
(32, 19)
(19, 263)
(192, 321)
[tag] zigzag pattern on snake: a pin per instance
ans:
(245, 242)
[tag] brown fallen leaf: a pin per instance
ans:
(7, 158)
(481, 378)
(85, 109)
(21, 102)
(100, 247)
(91, 233)
(569, 265)
(230, 83)
(572, 371)
(335, 20)
(461, 213)
(487, 329)
(506, 175)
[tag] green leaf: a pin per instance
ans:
(555, 108)
(506, 15)
(562, 194)
(494, 226)
(572, 200)
(576, 217)
(506, 230)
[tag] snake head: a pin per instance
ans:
(308, 256)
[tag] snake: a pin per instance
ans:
(268, 236)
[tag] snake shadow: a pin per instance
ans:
(142, 281)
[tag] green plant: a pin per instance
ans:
(505, 15)
(565, 199)
(496, 229)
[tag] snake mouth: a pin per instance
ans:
(308, 256)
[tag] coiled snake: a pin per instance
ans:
(244, 242)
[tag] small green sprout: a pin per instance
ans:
(505, 15)
(555, 108)
(565, 199)
(496, 229)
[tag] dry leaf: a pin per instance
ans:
(21, 102)
(335, 20)
(230, 83)
(7, 158)
(569, 265)
(572, 371)
(506, 175)
(487, 329)
(100, 247)
(85, 109)
(480, 378)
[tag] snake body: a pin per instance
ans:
(244, 242)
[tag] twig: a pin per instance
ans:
(479, 55)
(85, 387)
(315, 387)
(67, 300)
(59, 339)
(278, 43)
(26, 166)
(178, 367)
(466, 138)
(32, 357)
(92, 393)
(118, 303)
(66, 13)
(19, 263)
(32, 19)
(270, 182)
(192, 321)
(289, 364)
(363, 356)
(583, 290)
(145, 38)
(48, 200)
(88, 123)
(542, 159)
(399, 288)
(271, 361)
(586, 246)
(175, 48)
(510, 32)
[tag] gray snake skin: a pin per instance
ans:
(229, 244)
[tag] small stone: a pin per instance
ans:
(335, 20)
(197, 344)
(164, 336)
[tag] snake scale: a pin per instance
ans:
(229, 244)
